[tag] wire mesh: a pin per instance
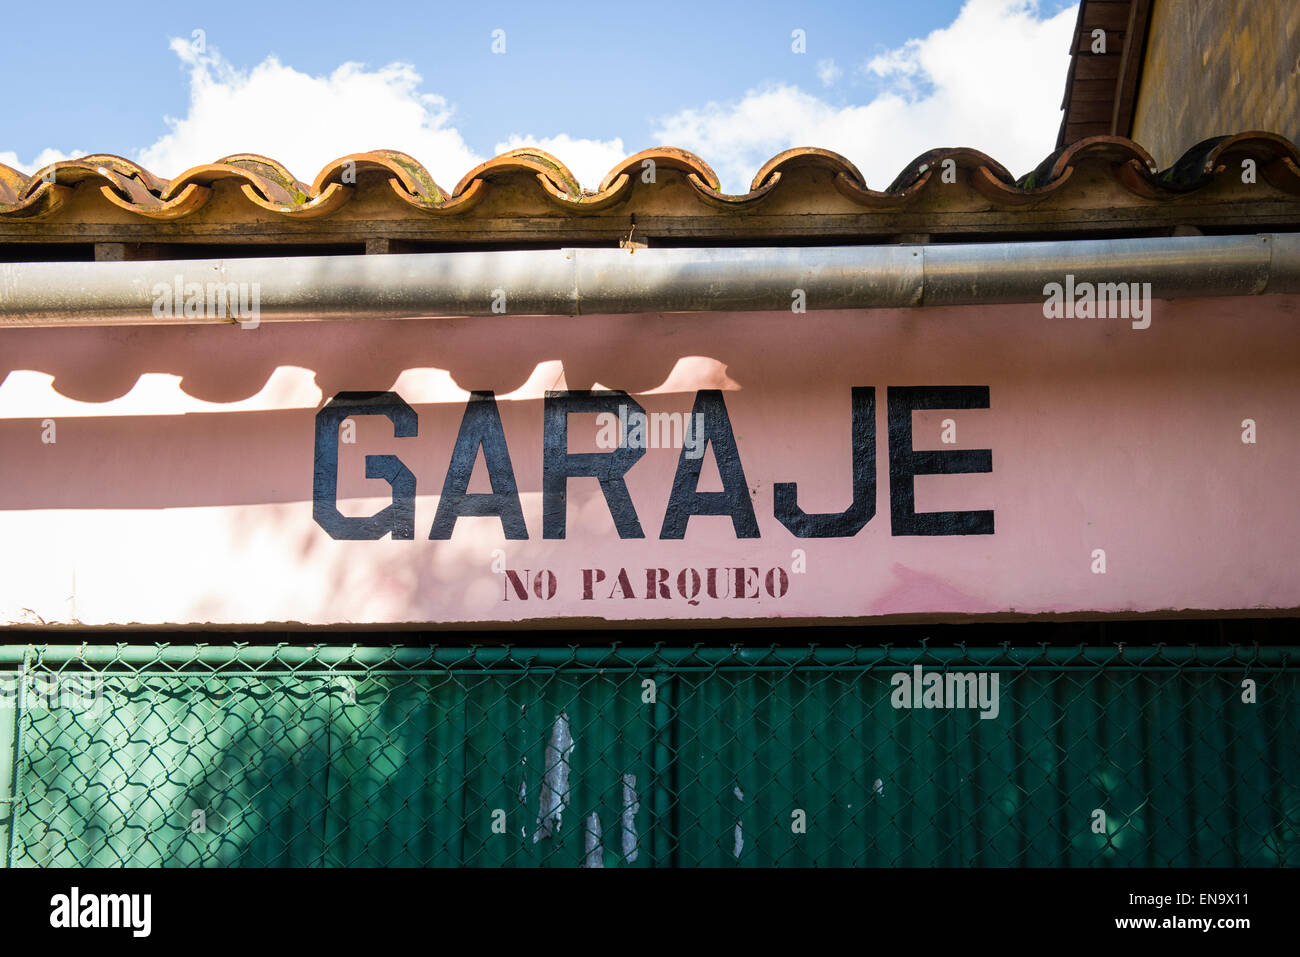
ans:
(167, 755)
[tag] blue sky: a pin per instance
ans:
(877, 80)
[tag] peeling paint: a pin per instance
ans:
(523, 789)
(630, 807)
(555, 780)
(523, 761)
(595, 853)
(738, 842)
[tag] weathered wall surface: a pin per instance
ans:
(178, 487)
(1218, 68)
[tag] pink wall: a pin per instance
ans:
(179, 485)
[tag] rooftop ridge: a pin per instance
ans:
(270, 186)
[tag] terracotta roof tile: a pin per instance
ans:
(796, 186)
(267, 184)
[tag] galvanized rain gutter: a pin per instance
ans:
(571, 282)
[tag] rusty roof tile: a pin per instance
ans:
(268, 185)
(802, 191)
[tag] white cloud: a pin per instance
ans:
(42, 159)
(828, 72)
(991, 80)
(305, 121)
(589, 160)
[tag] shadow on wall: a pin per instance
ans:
(226, 363)
(1145, 422)
(145, 455)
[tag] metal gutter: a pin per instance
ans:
(571, 282)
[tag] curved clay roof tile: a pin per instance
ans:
(268, 185)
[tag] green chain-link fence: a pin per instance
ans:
(245, 755)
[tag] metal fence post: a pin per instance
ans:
(10, 754)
